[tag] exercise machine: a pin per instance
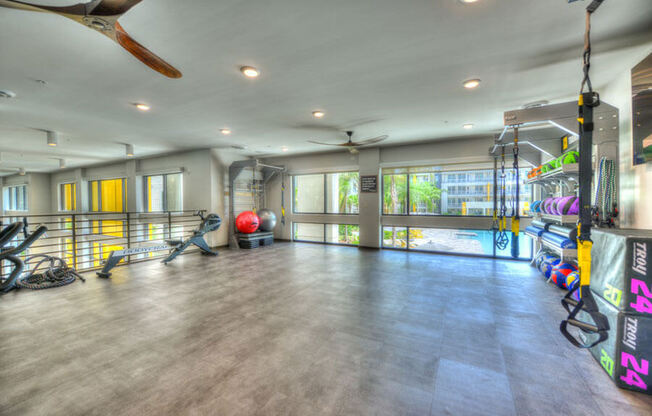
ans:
(209, 223)
(11, 253)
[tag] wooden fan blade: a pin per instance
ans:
(143, 54)
(326, 144)
(75, 9)
(371, 141)
(112, 7)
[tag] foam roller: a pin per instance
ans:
(559, 241)
(535, 230)
(570, 233)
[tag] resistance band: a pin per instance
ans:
(586, 303)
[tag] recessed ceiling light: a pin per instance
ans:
(284, 149)
(468, 126)
(53, 138)
(142, 107)
(471, 84)
(225, 132)
(318, 114)
(250, 71)
(129, 150)
(468, 1)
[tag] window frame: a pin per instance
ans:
(325, 191)
(294, 223)
(99, 194)
(409, 214)
(62, 196)
(12, 193)
(165, 190)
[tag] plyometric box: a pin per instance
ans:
(627, 352)
(620, 269)
(255, 240)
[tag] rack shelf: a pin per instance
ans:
(567, 172)
(559, 219)
(564, 253)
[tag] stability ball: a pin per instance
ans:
(267, 219)
(247, 222)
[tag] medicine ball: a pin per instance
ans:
(549, 261)
(564, 205)
(560, 272)
(536, 206)
(546, 206)
(553, 206)
(573, 280)
(247, 222)
(267, 219)
(570, 157)
(575, 207)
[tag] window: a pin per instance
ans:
(327, 233)
(108, 195)
(330, 193)
(163, 192)
(68, 197)
(457, 241)
(15, 198)
(434, 191)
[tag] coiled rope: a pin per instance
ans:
(57, 273)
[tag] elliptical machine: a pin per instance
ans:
(10, 253)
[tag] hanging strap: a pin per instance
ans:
(516, 216)
(282, 198)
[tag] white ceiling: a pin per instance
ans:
(377, 66)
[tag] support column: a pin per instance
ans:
(132, 195)
(369, 161)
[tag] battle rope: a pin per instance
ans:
(56, 274)
(605, 208)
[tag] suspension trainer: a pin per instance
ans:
(586, 104)
(516, 217)
(502, 241)
(283, 198)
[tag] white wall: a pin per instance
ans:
(635, 181)
(38, 192)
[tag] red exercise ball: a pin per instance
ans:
(247, 222)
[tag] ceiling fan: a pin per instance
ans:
(350, 144)
(102, 16)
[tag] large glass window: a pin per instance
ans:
(436, 191)
(15, 198)
(108, 195)
(327, 233)
(68, 197)
(163, 192)
(330, 193)
(457, 241)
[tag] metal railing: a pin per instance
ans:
(85, 240)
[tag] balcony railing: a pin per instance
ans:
(85, 240)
